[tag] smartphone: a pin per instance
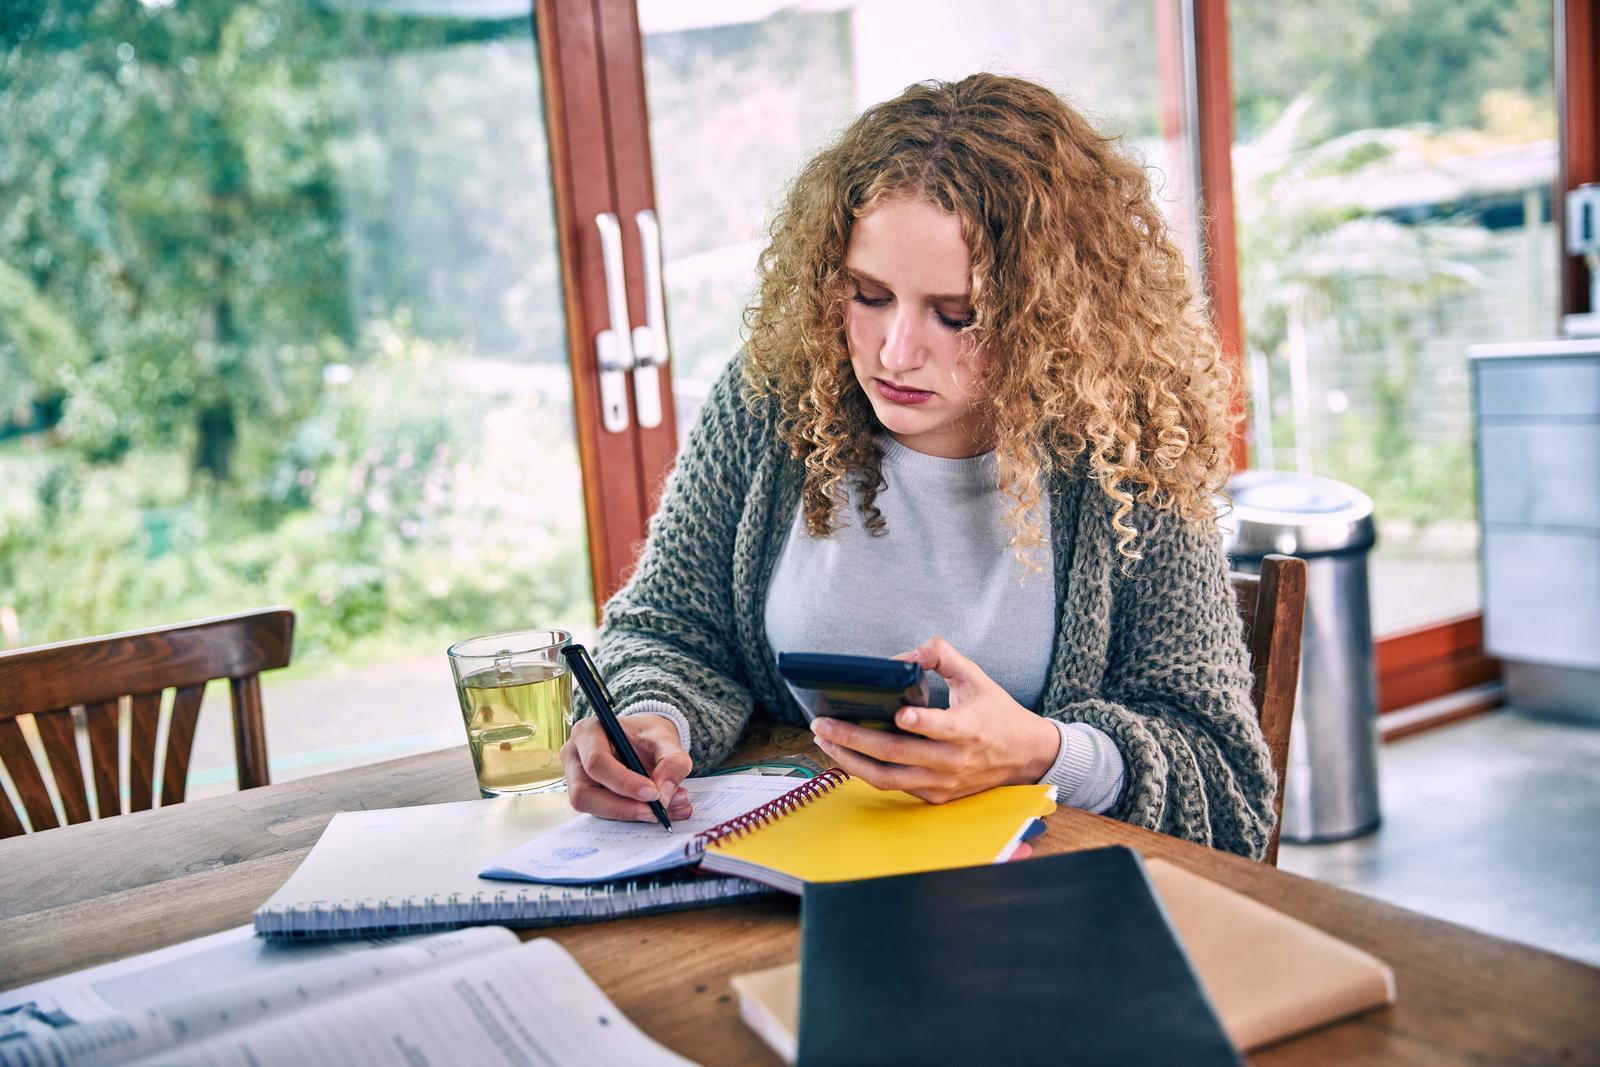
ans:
(863, 689)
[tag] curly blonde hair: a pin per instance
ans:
(1098, 363)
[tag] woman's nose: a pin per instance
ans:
(902, 345)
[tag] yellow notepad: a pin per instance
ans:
(855, 831)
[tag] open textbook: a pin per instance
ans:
(472, 996)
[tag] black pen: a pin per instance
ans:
(583, 669)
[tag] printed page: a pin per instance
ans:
(531, 1004)
(588, 849)
(190, 991)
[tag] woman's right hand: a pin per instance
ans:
(599, 783)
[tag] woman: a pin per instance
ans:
(976, 402)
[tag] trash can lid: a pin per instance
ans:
(1296, 514)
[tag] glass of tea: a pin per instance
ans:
(516, 699)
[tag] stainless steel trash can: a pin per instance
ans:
(1332, 780)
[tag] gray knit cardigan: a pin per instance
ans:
(1153, 656)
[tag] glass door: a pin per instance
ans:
(1393, 177)
(735, 97)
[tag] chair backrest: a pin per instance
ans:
(46, 683)
(1272, 605)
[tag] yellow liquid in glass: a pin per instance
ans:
(517, 720)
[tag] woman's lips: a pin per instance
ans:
(899, 395)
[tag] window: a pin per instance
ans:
(1393, 170)
(281, 321)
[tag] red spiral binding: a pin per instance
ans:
(797, 798)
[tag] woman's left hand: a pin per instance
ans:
(983, 739)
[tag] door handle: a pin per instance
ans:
(650, 340)
(613, 347)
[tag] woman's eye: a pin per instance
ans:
(956, 324)
(870, 301)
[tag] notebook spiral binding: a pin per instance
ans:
(797, 798)
(544, 906)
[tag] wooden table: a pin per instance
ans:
(87, 894)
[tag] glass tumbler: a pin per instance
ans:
(516, 702)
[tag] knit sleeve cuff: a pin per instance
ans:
(666, 711)
(1088, 770)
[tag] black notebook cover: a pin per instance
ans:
(1059, 959)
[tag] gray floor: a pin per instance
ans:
(1493, 823)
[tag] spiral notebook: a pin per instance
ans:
(832, 828)
(403, 870)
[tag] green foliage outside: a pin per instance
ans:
(1386, 63)
(245, 256)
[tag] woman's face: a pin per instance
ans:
(909, 266)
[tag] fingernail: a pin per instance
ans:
(821, 728)
(667, 791)
(646, 793)
(908, 718)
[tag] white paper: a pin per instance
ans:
(164, 999)
(531, 1004)
(588, 849)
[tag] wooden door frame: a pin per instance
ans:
(1212, 86)
(634, 189)
(571, 56)
(1577, 41)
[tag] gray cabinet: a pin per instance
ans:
(1538, 440)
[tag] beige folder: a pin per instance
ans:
(1269, 976)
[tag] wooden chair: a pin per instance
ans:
(1272, 605)
(49, 681)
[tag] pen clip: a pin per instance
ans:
(573, 651)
